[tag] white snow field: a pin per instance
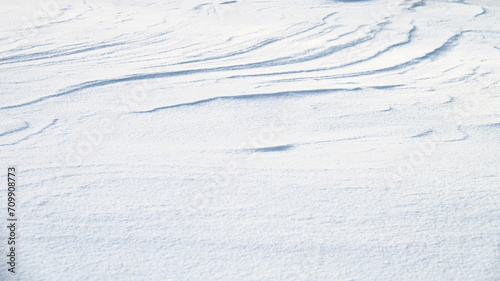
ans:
(251, 139)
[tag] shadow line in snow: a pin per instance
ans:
(22, 128)
(139, 77)
(423, 134)
(277, 148)
(33, 134)
(252, 96)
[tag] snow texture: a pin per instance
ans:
(252, 140)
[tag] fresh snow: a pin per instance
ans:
(252, 140)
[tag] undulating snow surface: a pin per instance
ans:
(252, 140)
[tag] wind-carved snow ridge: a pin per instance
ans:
(253, 140)
(30, 135)
(13, 127)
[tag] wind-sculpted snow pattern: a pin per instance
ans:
(252, 140)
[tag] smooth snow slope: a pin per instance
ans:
(252, 140)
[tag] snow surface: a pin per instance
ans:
(252, 140)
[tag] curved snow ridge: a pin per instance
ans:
(260, 44)
(130, 78)
(276, 95)
(250, 96)
(430, 55)
(321, 35)
(490, 125)
(364, 112)
(13, 127)
(265, 62)
(31, 135)
(353, 49)
(460, 133)
(401, 66)
(288, 147)
(135, 77)
(105, 82)
(56, 54)
(301, 51)
(423, 134)
(301, 54)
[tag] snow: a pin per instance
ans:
(252, 140)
